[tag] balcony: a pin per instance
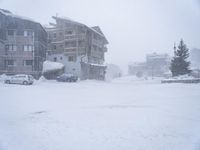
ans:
(98, 43)
(105, 49)
(52, 52)
(75, 37)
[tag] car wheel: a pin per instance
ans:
(25, 83)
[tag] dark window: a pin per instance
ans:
(11, 47)
(54, 35)
(28, 62)
(68, 32)
(20, 32)
(71, 58)
(70, 44)
(7, 47)
(10, 62)
(54, 47)
(55, 59)
(11, 32)
(81, 43)
(60, 58)
(61, 46)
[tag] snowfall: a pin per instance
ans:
(122, 114)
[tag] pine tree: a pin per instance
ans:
(179, 63)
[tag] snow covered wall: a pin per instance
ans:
(52, 69)
(51, 66)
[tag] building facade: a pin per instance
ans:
(23, 45)
(80, 48)
(137, 68)
(156, 65)
(195, 58)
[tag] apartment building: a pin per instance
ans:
(156, 65)
(23, 44)
(79, 47)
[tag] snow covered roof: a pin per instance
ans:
(97, 65)
(95, 29)
(10, 14)
(47, 26)
(157, 56)
(135, 64)
(50, 66)
(93, 64)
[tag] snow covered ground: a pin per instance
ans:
(125, 114)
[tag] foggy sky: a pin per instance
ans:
(132, 27)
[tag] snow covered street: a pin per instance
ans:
(124, 114)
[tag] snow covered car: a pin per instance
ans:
(20, 79)
(67, 78)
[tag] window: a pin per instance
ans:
(25, 47)
(11, 47)
(54, 35)
(20, 32)
(28, 33)
(28, 62)
(25, 33)
(11, 32)
(60, 58)
(7, 47)
(81, 43)
(54, 47)
(55, 59)
(70, 44)
(68, 32)
(11, 62)
(28, 48)
(61, 46)
(71, 58)
(94, 47)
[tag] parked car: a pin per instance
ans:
(67, 78)
(20, 79)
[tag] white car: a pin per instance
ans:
(20, 79)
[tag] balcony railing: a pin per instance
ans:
(75, 36)
(105, 49)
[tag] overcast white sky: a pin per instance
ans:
(133, 27)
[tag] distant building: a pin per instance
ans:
(22, 45)
(113, 71)
(195, 62)
(79, 47)
(1, 54)
(137, 68)
(195, 58)
(155, 65)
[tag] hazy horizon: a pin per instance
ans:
(132, 27)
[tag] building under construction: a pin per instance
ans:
(79, 47)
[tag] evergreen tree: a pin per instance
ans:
(179, 63)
